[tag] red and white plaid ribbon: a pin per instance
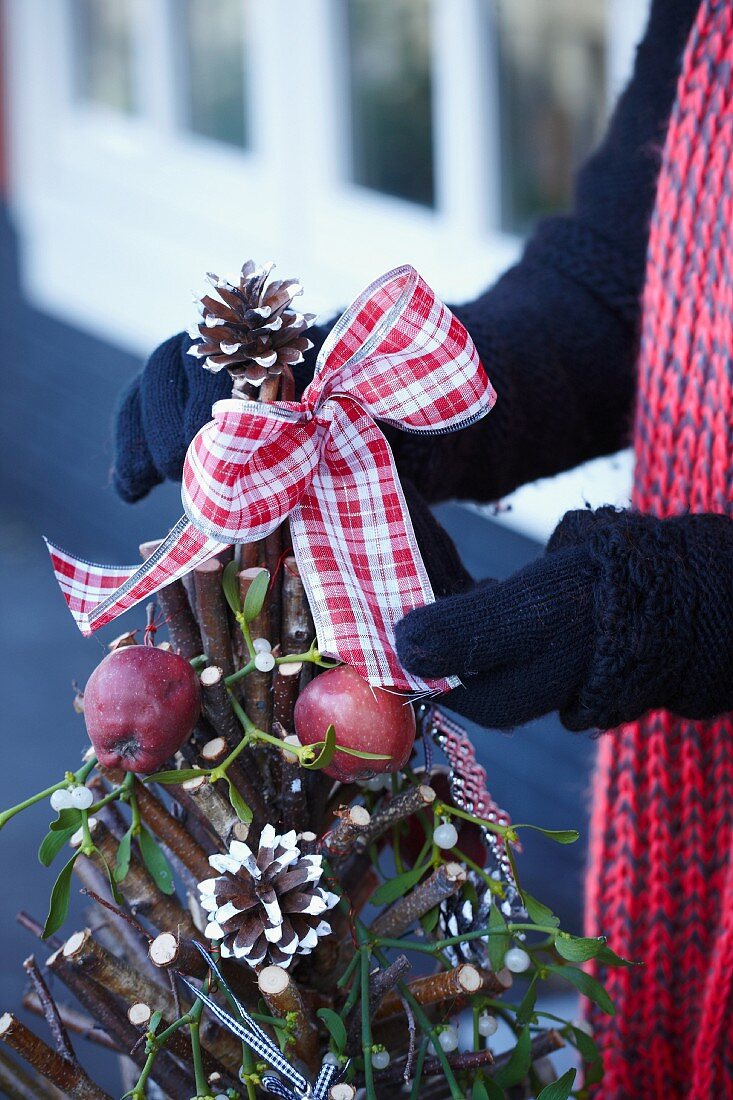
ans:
(397, 354)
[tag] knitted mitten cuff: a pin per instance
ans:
(663, 615)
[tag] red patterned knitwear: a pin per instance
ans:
(661, 877)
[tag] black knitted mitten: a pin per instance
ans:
(624, 613)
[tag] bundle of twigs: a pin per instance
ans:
(378, 993)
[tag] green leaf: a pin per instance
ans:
(67, 819)
(395, 887)
(156, 863)
(498, 941)
(578, 948)
(335, 1026)
(59, 903)
(256, 594)
(525, 1012)
(560, 1089)
(585, 1044)
(539, 913)
(176, 775)
(52, 844)
(518, 1065)
(325, 752)
(560, 836)
(122, 863)
(362, 753)
(485, 1088)
(594, 1073)
(607, 957)
(587, 985)
(108, 871)
(230, 584)
(239, 806)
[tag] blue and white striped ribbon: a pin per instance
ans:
(250, 1032)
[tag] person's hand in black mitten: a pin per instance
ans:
(166, 405)
(624, 613)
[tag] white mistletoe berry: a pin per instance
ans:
(517, 960)
(61, 800)
(81, 798)
(446, 835)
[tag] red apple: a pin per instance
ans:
(140, 706)
(365, 718)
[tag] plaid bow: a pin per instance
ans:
(397, 354)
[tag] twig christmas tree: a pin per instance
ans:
(352, 919)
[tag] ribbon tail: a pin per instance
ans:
(97, 594)
(358, 555)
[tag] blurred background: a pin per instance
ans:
(146, 142)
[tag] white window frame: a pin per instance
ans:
(209, 206)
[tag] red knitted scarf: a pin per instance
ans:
(661, 876)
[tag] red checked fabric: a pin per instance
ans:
(397, 354)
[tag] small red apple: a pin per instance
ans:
(366, 718)
(140, 705)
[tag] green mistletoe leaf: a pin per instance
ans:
(176, 775)
(538, 913)
(560, 836)
(586, 985)
(52, 844)
(157, 865)
(336, 1028)
(560, 1089)
(239, 806)
(256, 594)
(230, 584)
(122, 863)
(395, 887)
(518, 1065)
(67, 819)
(498, 940)
(60, 895)
(578, 948)
(324, 750)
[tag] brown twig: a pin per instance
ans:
(179, 618)
(445, 881)
(388, 814)
(381, 983)
(96, 1000)
(140, 1015)
(212, 615)
(167, 950)
(73, 1020)
(216, 809)
(65, 1074)
(115, 975)
(432, 989)
(297, 630)
(50, 1010)
(17, 1084)
(218, 710)
(352, 823)
(342, 1091)
(283, 996)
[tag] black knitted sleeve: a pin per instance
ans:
(558, 333)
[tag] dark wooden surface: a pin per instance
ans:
(58, 390)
